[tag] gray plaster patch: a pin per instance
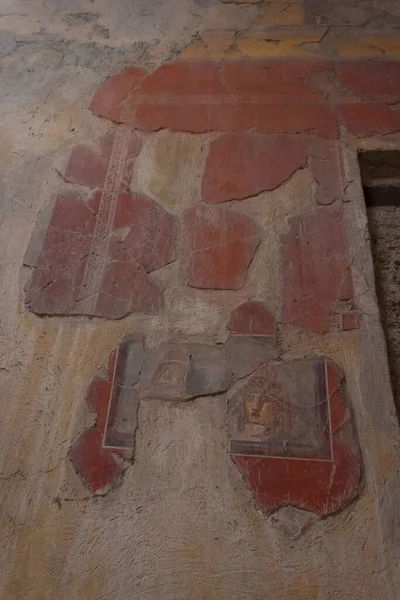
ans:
(135, 356)
(183, 371)
(246, 353)
(209, 372)
(292, 522)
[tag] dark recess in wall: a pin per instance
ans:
(380, 171)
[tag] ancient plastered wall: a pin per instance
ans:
(182, 524)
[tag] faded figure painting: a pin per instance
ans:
(271, 416)
(265, 413)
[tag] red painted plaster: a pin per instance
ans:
(316, 265)
(221, 246)
(252, 318)
(244, 164)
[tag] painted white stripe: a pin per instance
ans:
(98, 259)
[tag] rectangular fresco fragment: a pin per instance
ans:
(283, 411)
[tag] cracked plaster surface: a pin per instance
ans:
(53, 55)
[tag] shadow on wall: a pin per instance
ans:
(380, 172)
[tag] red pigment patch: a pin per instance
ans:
(370, 79)
(221, 246)
(81, 271)
(244, 164)
(98, 399)
(252, 318)
(94, 463)
(95, 255)
(86, 167)
(115, 410)
(369, 119)
(89, 167)
(327, 169)
(199, 97)
(351, 320)
(315, 268)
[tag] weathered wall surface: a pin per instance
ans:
(181, 522)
